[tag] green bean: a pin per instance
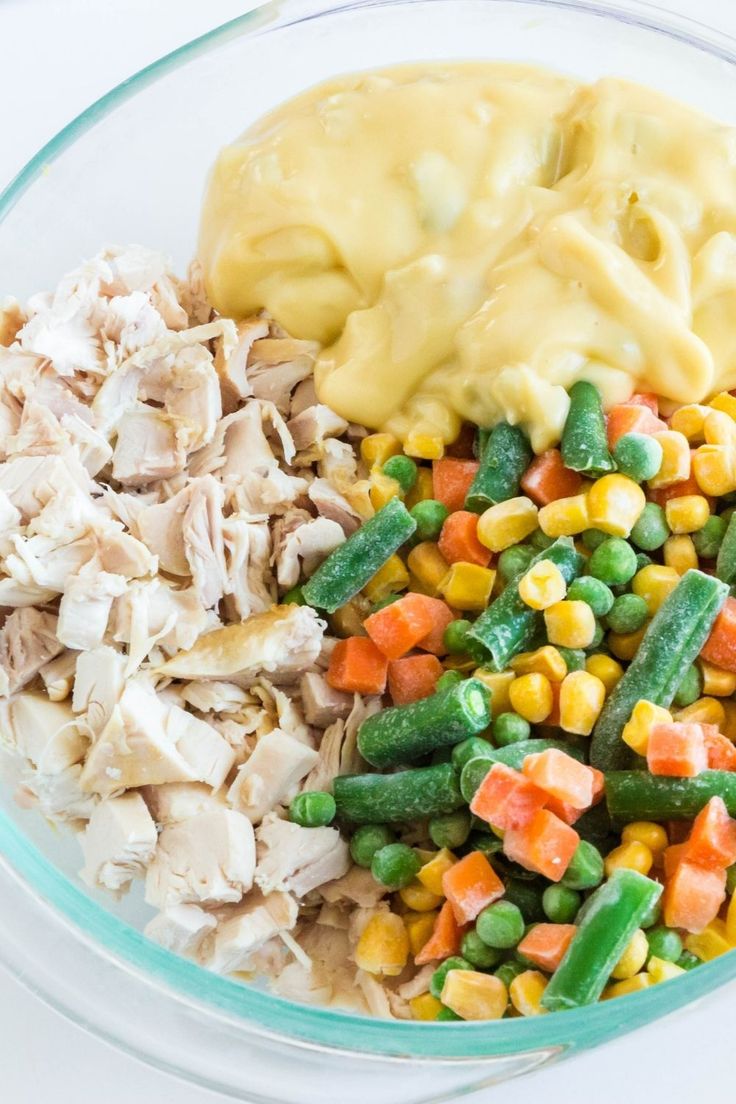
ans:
(513, 755)
(638, 795)
(505, 457)
(395, 798)
(726, 559)
(672, 642)
(584, 444)
(354, 563)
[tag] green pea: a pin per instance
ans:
(430, 515)
(638, 455)
(447, 680)
(540, 541)
(450, 829)
(383, 602)
(446, 1014)
(294, 597)
(437, 981)
(475, 747)
(688, 961)
(591, 538)
(513, 561)
(592, 591)
(509, 970)
(455, 636)
(313, 810)
(573, 657)
(510, 728)
(561, 904)
(628, 613)
(586, 869)
(395, 865)
(708, 540)
(655, 912)
(664, 943)
(368, 839)
(613, 562)
(651, 529)
(478, 953)
(403, 469)
(690, 687)
(500, 925)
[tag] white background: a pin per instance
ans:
(56, 56)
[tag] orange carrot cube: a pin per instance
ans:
(720, 647)
(412, 678)
(677, 749)
(357, 667)
(672, 857)
(631, 418)
(506, 799)
(712, 841)
(545, 945)
(561, 776)
(471, 884)
(547, 479)
(721, 752)
(544, 844)
(445, 939)
(451, 480)
(442, 615)
(459, 542)
(397, 628)
(693, 897)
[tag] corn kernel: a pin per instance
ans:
(383, 948)
(689, 420)
(716, 681)
(626, 645)
(432, 872)
(615, 503)
(526, 992)
(389, 578)
(644, 716)
(565, 517)
(570, 624)
(531, 697)
(687, 514)
(629, 856)
(581, 699)
(714, 468)
(507, 523)
(542, 585)
(419, 926)
(720, 429)
(631, 985)
(680, 554)
(499, 683)
(712, 942)
(418, 898)
(661, 970)
(728, 725)
(704, 711)
(633, 958)
(653, 583)
(425, 1007)
(376, 448)
(725, 401)
(428, 566)
(383, 489)
(475, 996)
(675, 464)
(422, 489)
(467, 586)
(605, 668)
(424, 446)
(358, 495)
(545, 661)
(731, 921)
(647, 832)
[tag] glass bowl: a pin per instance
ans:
(132, 168)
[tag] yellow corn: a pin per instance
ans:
(653, 583)
(629, 856)
(475, 996)
(424, 446)
(432, 872)
(605, 668)
(376, 448)
(615, 503)
(647, 832)
(545, 661)
(507, 523)
(526, 992)
(422, 489)
(499, 683)
(348, 620)
(542, 585)
(680, 554)
(731, 920)
(566, 517)
(626, 645)
(703, 711)
(428, 566)
(716, 681)
(418, 898)
(689, 420)
(645, 715)
(675, 464)
(531, 697)
(383, 948)
(633, 958)
(712, 942)
(728, 726)
(714, 468)
(570, 624)
(390, 578)
(419, 926)
(467, 586)
(687, 514)
(720, 429)
(383, 489)
(631, 985)
(358, 495)
(425, 1007)
(661, 970)
(581, 699)
(724, 401)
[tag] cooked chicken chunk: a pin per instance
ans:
(208, 859)
(118, 842)
(269, 776)
(181, 929)
(43, 731)
(28, 641)
(248, 927)
(297, 859)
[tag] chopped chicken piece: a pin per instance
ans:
(122, 554)
(269, 776)
(314, 424)
(118, 843)
(303, 545)
(204, 749)
(329, 503)
(214, 697)
(277, 364)
(30, 482)
(231, 360)
(208, 859)
(15, 595)
(43, 731)
(147, 448)
(357, 887)
(181, 929)
(338, 749)
(47, 563)
(160, 529)
(288, 716)
(203, 542)
(28, 641)
(375, 995)
(322, 704)
(154, 612)
(297, 859)
(85, 605)
(247, 555)
(249, 927)
(419, 983)
(338, 464)
(98, 685)
(173, 802)
(192, 398)
(305, 395)
(12, 320)
(57, 796)
(58, 676)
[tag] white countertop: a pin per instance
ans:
(57, 56)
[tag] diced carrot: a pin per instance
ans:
(547, 479)
(567, 813)
(545, 944)
(545, 844)
(693, 896)
(712, 840)
(357, 666)
(451, 481)
(720, 647)
(397, 628)
(677, 749)
(506, 799)
(413, 677)
(599, 784)
(471, 884)
(459, 540)
(672, 857)
(462, 447)
(446, 938)
(645, 398)
(631, 418)
(442, 615)
(561, 776)
(721, 752)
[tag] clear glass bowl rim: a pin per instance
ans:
(190, 984)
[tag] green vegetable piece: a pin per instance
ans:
(688, 961)
(642, 560)
(430, 515)
(584, 444)
(673, 640)
(650, 529)
(354, 563)
(447, 680)
(407, 732)
(664, 943)
(514, 561)
(709, 539)
(638, 795)
(368, 839)
(591, 538)
(527, 896)
(500, 925)
(403, 469)
(395, 865)
(506, 456)
(726, 561)
(313, 810)
(513, 755)
(613, 562)
(478, 953)
(480, 441)
(689, 689)
(510, 728)
(509, 626)
(455, 636)
(560, 904)
(437, 981)
(593, 592)
(450, 830)
(540, 541)
(510, 970)
(294, 597)
(638, 455)
(628, 613)
(603, 934)
(653, 916)
(586, 868)
(598, 633)
(401, 797)
(574, 658)
(473, 748)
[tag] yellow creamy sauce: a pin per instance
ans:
(467, 240)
